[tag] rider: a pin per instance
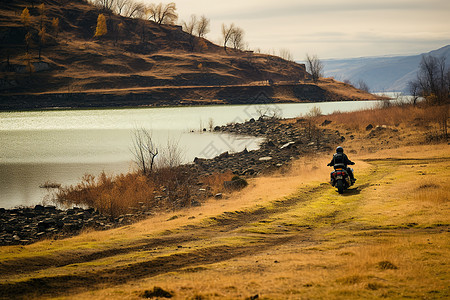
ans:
(341, 160)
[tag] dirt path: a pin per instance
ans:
(314, 221)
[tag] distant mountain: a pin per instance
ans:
(381, 74)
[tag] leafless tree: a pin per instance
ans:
(163, 14)
(433, 81)
(227, 32)
(120, 5)
(144, 150)
(203, 26)
(286, 54)
(314, 66)
(362, 85)
(237, 38)
(171, 155)
(133, 10)
(190, 26)
(414, 90)
(105, 4)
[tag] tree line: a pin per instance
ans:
(433, 80)
(36, 33)
(232, 35)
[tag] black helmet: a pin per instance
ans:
(339, 149)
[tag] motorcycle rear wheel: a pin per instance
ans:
(340, 186)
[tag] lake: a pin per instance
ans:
(61, 146)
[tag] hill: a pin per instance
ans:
(136, 57)
(382, 74)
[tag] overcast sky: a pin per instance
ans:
(329, 28)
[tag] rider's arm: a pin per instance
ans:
(331, 163)
(348, 161)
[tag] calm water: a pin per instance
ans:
(61, 146)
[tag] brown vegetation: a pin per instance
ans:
(286, 236)
(168, 188)
(135, 58)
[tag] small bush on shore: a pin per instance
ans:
(165, 188)
(109, 195)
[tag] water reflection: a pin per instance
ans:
(61, 146)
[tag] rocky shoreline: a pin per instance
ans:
(283, 142)
(27, 225)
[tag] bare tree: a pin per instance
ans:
(144, 150)
(163, 14)
(286, 54)
(171, 155)
(203, 26)
(237, 38)
(227, 32)
(414, 90)
(120, 5)
(190, 26)
(433, 80)
(314, 67)
(362, 85)
(133, 9)
(105, 4)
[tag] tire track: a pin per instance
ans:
(75, 283)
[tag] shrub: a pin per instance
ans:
(109, 195)
(157, 292)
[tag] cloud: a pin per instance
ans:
(332, 28)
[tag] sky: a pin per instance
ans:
(329, 28)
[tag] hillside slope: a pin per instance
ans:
(142, 55)
(382, 74)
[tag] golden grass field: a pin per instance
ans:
(286, 236)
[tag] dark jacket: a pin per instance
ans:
(340, 159)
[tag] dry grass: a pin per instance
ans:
(358, 245)
(215, 181)
(392, 115)
(166, 188)
(113, 195)
(287, 236)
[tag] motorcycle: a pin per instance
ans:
(340, 179)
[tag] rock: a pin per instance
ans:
(325, 123)
(223, 155)
(265, 158)
(218, 196)
(195, 203)
(369, 127)
(249, 172)
(287, 145)
(235, 184)
(270, 144)
(39, 207)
